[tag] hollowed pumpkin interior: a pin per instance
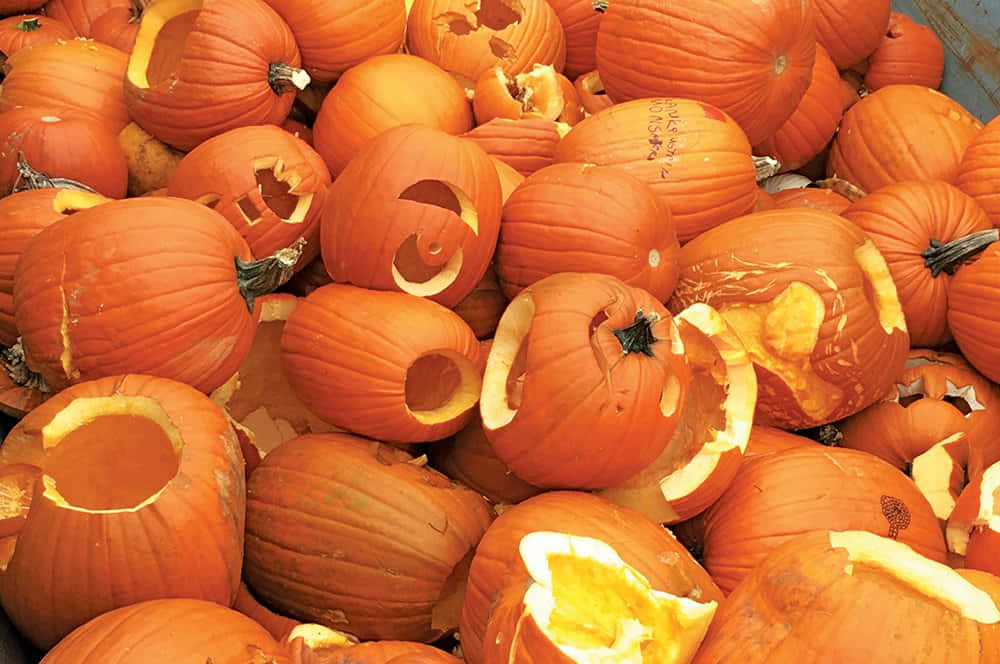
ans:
(939, 473)
(419, 268)
(109, 453)
(879, 287)
(70, 201)
(160, 42)
(503, 380)
(538, 91)
(597, 609)
(440, 386)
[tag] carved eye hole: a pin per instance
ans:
(910, 394)
(910, 399)
(964, 398)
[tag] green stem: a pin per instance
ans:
(28, 24)
(766, 167)
(260, 277)
(638, 337)
(29, 178)
(948, 256)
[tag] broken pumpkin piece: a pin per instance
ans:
(973, 530)
(150, 161)
(591, 91)
(536, 93)
(583, 604)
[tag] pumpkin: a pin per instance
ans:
(175, 298)
(119, 25)
(901, 132)
(373, 542)
(871, 599)
(812, 197)
(298, 130)
(14, 6)
(423, 388)
(22, 216)
(15, 400)
(466, 39)
(60, 143)
(813, 123)
(335, 36)
(590, 88)
(524, 144)
(703, 50)
(583, 602)
(978, 168)
(416, 211)
(274, 623)
(580, 218)
(188, 81)
(81, 14)
(366, 101)
(973, 529)
(768, 440)
(909, 53)
(17, 32)
(150, 161)
(77, 74)
(391, 652)
(482, 308)
(270, 185)
(850, 29)
(629, 388)
(812, 300)
(580, 20)
(925, 230)
(144, 470)
(765, 201)
(695, 158)
(535, 93)
(645, 546)
(974, 311)
(774, 497)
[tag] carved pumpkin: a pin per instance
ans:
(974, 311)
(695, 157)
(373, 541)
(646, 546)
(977, 170)
(525, 144)
(925, 230)
(850, 29)
(17, 32)
(184, 51)
(930, 131)
(551, 222)
(777, 496)
(700, 50)
(119, 25)
(416, 211)
(580, 20)
(812, 197)
(146, 470)
(366, 101)
(973, 529)
(534, 93)
(873, 600)
(590, 88)
(812, 300)
(81, 14)
(270, 185)
(909, 54)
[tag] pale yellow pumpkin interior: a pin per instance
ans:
(68, 201)
(159, 44)
(939, 473)
(538, 91)
(109, 454)
(881, 286)
(959, 531)
(277, 186)
(440, 386)
(597, 609)
(503, 379)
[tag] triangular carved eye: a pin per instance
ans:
(908, 394)
(963, 398)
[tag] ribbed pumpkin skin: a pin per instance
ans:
(343, 531)
(573, 218)
(384, 652)
(22, 216)
(223, 66)
(818, 199)
(80, 74)
(187, 543)
(974, 312)
(777, 496)
(181, 631)
(909, 53)
(334, 36)
(327, 350)
(366, 101)
(768, 440)
(158, 297)
(15, 6)
(13, 38)
(850, 29)
(580, 20)
(860, 341)
(224, 166)
(648, 547)
(901, 219)
(695, 157)
(979, 171)
(901, 132)
(812, 125)
(526, 145)
(81, 14)
(753, 60)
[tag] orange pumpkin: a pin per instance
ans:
(701, 49)
(973, 529)
(119, 25)
(812, 197)
(580, 20)
(974, 311)
(978, 168)
(17, 32)
(768, 440)
(909, 53)
(81, 14)
(590, 88)
(390, 652)
(850, 29)
(535, 93)
(482, 308)
(525, 144)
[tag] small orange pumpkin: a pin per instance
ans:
(978, 168)
(17, 32)
(909, 53)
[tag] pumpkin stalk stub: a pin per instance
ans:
(283, 78)
(638, 337)
(600, 5)
(766, 167)
(260, 277)
(12, 361)
(29, 178)
(28, 25)
(948, 256)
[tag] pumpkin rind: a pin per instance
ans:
(20, 31)
(526, 144)
(909, 53)
(979, 170)
(850, 29)
(819, 199)
(974, 311)
(81, 14)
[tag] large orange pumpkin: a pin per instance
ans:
(580, 20)
(704, 50)
(17, 32)
(909, 53)
(850, 29)
(140, 492)
(974, 311)
(979, 169)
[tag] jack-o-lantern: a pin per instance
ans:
(938, 422)
(269, 184)
(973, 530)
(417, 211)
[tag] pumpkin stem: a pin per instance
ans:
(28, 24)
(948, 256)
(285, 78)
(13, 362)
(840, 186)
(260, 277)
(766, 167)
(599, 5)
(638, 337)
(29, 178)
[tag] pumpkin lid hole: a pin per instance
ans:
(499, 14)
(440, 386)
(163, 51)
(276, 188)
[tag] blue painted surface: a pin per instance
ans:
(970, 32)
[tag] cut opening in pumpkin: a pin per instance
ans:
(597, 609)
(879, 287)
(446, 612)
(69, 201)
(503, 380)
(160, 42)
(975, 511)
(109, 453)
(440, 386)
(498, 14)
(939, 473)
(277, 187)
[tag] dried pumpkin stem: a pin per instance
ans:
(766, 167)
(29, 178)
(638, 337)
(260, 277)
(840, 186)
(948, 256)
(28, 25)
(285, 78)
(13, 362)
(599, 5)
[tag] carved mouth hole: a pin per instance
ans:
(277, 195)
(168, 48)
(960, 404)
(248, 208)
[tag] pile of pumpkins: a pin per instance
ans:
(496, 331)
